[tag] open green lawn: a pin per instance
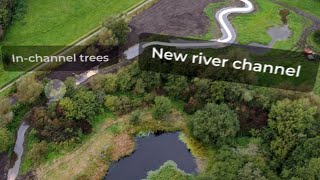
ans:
(253, 27)
(56, 22)
(309, 6)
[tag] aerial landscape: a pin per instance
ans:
(160, 89)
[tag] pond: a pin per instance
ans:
(277, 33)
(152, 151)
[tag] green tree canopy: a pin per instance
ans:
(162, 107)
(304, 152)
(82, 105)
(214, 123)
(175, 85)
(311, 171)
(28, 89)
(290, 121)
(119, 28)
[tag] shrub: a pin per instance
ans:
(110, 83)
(162, 107)
(38, 152)
(149, 98)
(4, 139)
(28, 89)
(135, 117)
(111, 102)
(124, 105)
(5, 112)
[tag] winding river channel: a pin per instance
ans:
(228, 36)
(18, 150)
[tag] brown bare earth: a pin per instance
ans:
(173, 17)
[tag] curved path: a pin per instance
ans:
(228, 33)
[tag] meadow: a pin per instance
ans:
(59, 23)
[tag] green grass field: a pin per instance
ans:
(54, 22)
(266, 16)
(309, 6)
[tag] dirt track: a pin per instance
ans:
(173, 17)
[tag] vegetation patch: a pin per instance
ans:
(257, 23)
(58, 26)
(314, 40)
(210, 11)
(168, 170)
(123, 145)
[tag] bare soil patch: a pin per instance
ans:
(176, 18)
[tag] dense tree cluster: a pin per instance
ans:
(290, 123)
(114, 32)
(214, 124)
(82, 105)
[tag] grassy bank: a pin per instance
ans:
(313, 43)
(210, 11)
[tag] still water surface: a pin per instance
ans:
(152, 151)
